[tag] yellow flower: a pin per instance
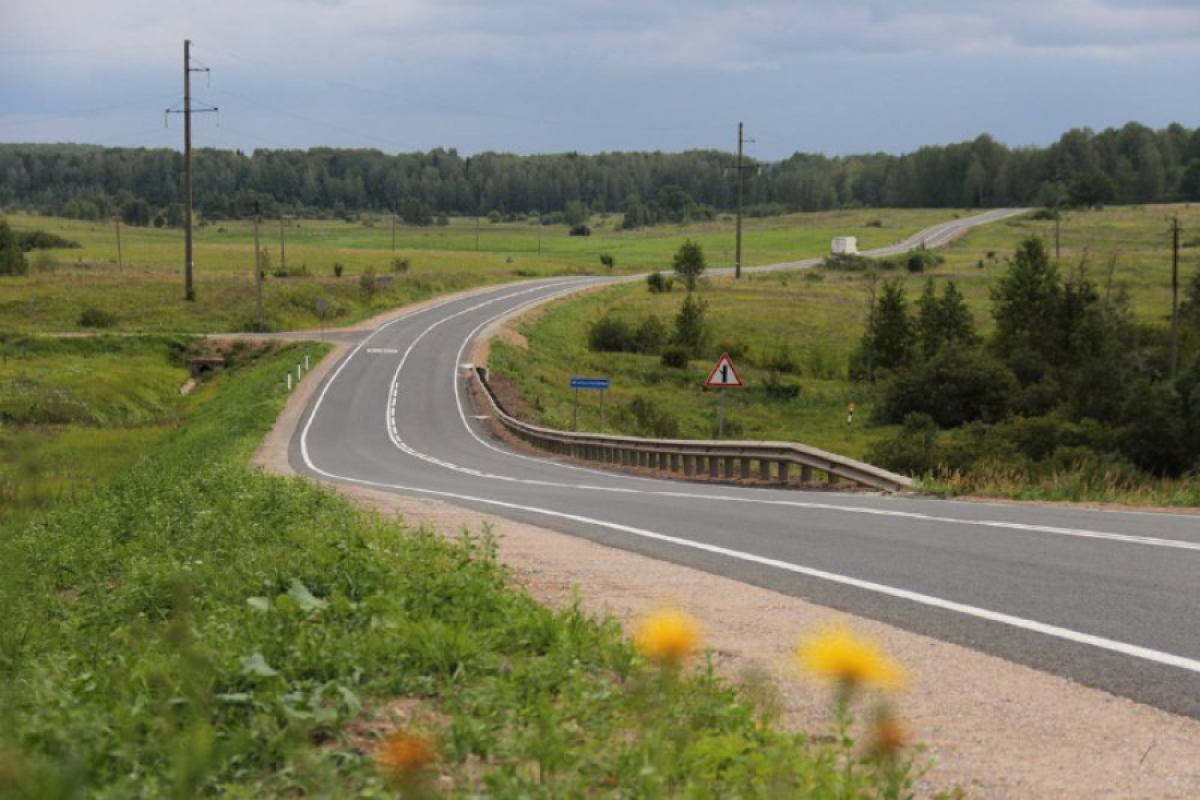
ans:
(838, 654)
(403, 755)
(667, 636)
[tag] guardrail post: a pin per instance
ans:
(745, 468)
(834, 480)
(676, 462)
(727, 470)
(783, 467)
(713, 466)
(805, 473)
(764, 469)
(689, 466)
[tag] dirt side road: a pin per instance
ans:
(995, 728)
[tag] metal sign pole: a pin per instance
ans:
(721, 415)
(575, 412)
(602, 411)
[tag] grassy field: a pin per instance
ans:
(146, 293)
(200, 628)
(801, 328)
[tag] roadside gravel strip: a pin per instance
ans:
(993, 727)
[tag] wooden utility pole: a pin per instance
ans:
(120, 259)
(189, 291)
(741, 171)
(1174, 296)
(737, 257)
(258, 272)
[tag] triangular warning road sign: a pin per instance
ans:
(723, 374)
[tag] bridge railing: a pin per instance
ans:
(777, 463)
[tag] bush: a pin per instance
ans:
(400, 264)
(96, 318)
(912, 451)
(338, 269)
(658, 283)
(580, 230)
(650, 420)
(651, 335)
(954, 387)
(41, 240)
(611, 334)
(921, 258)
(777, 389)
(691, 329)
(367, 284)
(675, 357)
(607, 260)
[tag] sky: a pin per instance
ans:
(533, 76)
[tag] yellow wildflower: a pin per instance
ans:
(840, 655)
(667, 636)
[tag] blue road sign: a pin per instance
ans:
(590, 383)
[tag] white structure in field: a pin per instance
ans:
(845, 246)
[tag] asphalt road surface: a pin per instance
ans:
(1108, 598)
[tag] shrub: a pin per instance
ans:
(921, 258)
(607, 260)
(953, 388)
(658, 283)
(651, 335)
(92, 317)
(12, 259)
(338, 269)
(651, 420)
(675, 357)
(776, 388)
(42, 240)
(580, 230)
(912, 451)
(400, 264)
(691, 329)
(367, 284)
(611, 334)
(689, 263)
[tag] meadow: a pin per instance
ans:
(189, 626)
(791, 334)
(144, 290)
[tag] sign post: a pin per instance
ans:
(723, 376)
(600, 384)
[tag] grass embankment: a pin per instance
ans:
(199, 627)
(800, 330)
(147, 294)
(75, 411)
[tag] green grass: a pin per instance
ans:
(815, 321)
(146, 294)
(201, 628)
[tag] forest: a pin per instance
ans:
(1084, 168)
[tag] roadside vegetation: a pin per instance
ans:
(937, 352)
(198, 627)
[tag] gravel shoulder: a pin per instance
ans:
(994, 728)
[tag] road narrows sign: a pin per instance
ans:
(723, 374)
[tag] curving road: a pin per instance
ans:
(1107, 598)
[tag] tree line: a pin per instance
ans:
(1131, 164)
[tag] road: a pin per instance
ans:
(1107, 598)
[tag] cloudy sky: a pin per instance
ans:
(526, 76)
